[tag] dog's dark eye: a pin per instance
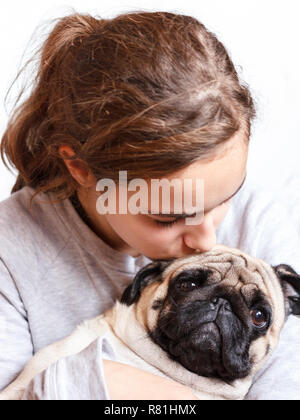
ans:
(259, 318)
(187, 285)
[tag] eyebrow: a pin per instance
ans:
(184, 215)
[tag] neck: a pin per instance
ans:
(98, 223)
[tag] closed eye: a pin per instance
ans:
(166, 224)
(172, 222)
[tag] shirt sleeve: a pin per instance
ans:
(77, 377)
(15, 338)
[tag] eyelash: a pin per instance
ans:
(169, 224)
(166, 224)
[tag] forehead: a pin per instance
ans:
(223, 277)
(229, 268)
(222, 174)
(241, 275)
(218, 178)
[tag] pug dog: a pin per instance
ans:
(209, 321)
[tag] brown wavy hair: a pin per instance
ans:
(145, 92)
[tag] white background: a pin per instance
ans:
(262, 37)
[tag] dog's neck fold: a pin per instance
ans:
(123, 322)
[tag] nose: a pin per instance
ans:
(217, 303)
(201, 237)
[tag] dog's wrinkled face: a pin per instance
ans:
(218, 314)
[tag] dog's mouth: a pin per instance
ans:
(205, 353)
(215, 348)
(214, 354)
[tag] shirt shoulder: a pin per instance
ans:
(20, 218)
(30, 234)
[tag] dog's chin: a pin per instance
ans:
(202, 351)
(206, 356)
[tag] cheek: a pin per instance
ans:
(219, 213)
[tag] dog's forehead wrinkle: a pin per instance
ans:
(220, 255)
(230, 257)
(222, 266)
(245, 260)
(229, 268)
(233, 274)
(248, 291)
(253, 276)
(197, 260)
(215, 268)
(231, 282)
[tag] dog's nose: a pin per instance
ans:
(217, 303)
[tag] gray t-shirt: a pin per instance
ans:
(56, 272)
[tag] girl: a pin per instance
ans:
(152, 94)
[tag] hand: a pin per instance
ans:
(126, 382)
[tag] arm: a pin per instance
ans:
(15, 338)
(130, 383)
(88, 375)
(123, 382)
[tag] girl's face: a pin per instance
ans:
(146, 234)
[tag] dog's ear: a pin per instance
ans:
(290, 282)
(148, 274)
